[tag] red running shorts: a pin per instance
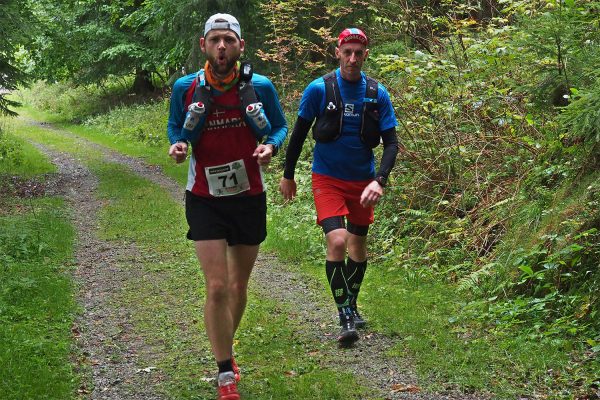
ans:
(336, 197)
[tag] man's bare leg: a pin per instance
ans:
(218, 320)
(240, 261)
(357, 247)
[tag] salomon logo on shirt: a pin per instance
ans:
(349, 110)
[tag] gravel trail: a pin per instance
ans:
(107, 341)
(108, 349)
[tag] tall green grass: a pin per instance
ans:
(36, 302)
(36, 293)
(17, 156)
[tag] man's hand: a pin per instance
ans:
(287, 187)
(371, 194)
(263, 154)
(178, 151)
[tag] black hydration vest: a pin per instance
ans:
(328, 126)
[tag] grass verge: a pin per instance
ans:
(37, 306)
(17, 156)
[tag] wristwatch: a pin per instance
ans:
(381, 180)
(275, 149)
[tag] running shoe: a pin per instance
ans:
(227, 387)
(359, 321)
(236, 369)
(348, 334)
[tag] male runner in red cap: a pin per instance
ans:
(353, 115)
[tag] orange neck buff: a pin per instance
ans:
(225, 84)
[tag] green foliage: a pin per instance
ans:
(144, 123)
(80, 103)
(561, 36)
(446, 202)
(557, 266)
(10, 154)
(545, 282)
(72, 102)
(88, 41)
(559, 274)
(582, 117)
(300, 39)
(15, 33)
(18, 157)
(34, 237)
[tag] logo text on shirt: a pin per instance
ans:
(349, 110)
(221, 123)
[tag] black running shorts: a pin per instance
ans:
(238, 219)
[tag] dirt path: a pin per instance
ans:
(107, 341)
(108, 348)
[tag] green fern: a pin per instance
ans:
(582, 117)
(474, 279)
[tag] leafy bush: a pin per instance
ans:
(146, 123)
(72, 102)
(562, 37)
(546, 281)
(77, 103)
(461, 117)
(581, 118)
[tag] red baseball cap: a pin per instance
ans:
(352, 35)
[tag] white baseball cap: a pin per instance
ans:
(223, 21)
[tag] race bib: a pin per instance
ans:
(227, 179)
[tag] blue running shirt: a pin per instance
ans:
(347, 157)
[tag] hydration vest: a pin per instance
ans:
(201, 91)
(328, 126)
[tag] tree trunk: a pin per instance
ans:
(142, 83)
(488, 10)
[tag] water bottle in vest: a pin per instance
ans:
(256, 117)
(194, 120)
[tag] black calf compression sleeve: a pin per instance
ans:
(337, 283)
(355, 273)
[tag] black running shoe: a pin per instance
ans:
(348, 334)
(359, 322)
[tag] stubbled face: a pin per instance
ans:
(351, 57)
(222, 48)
